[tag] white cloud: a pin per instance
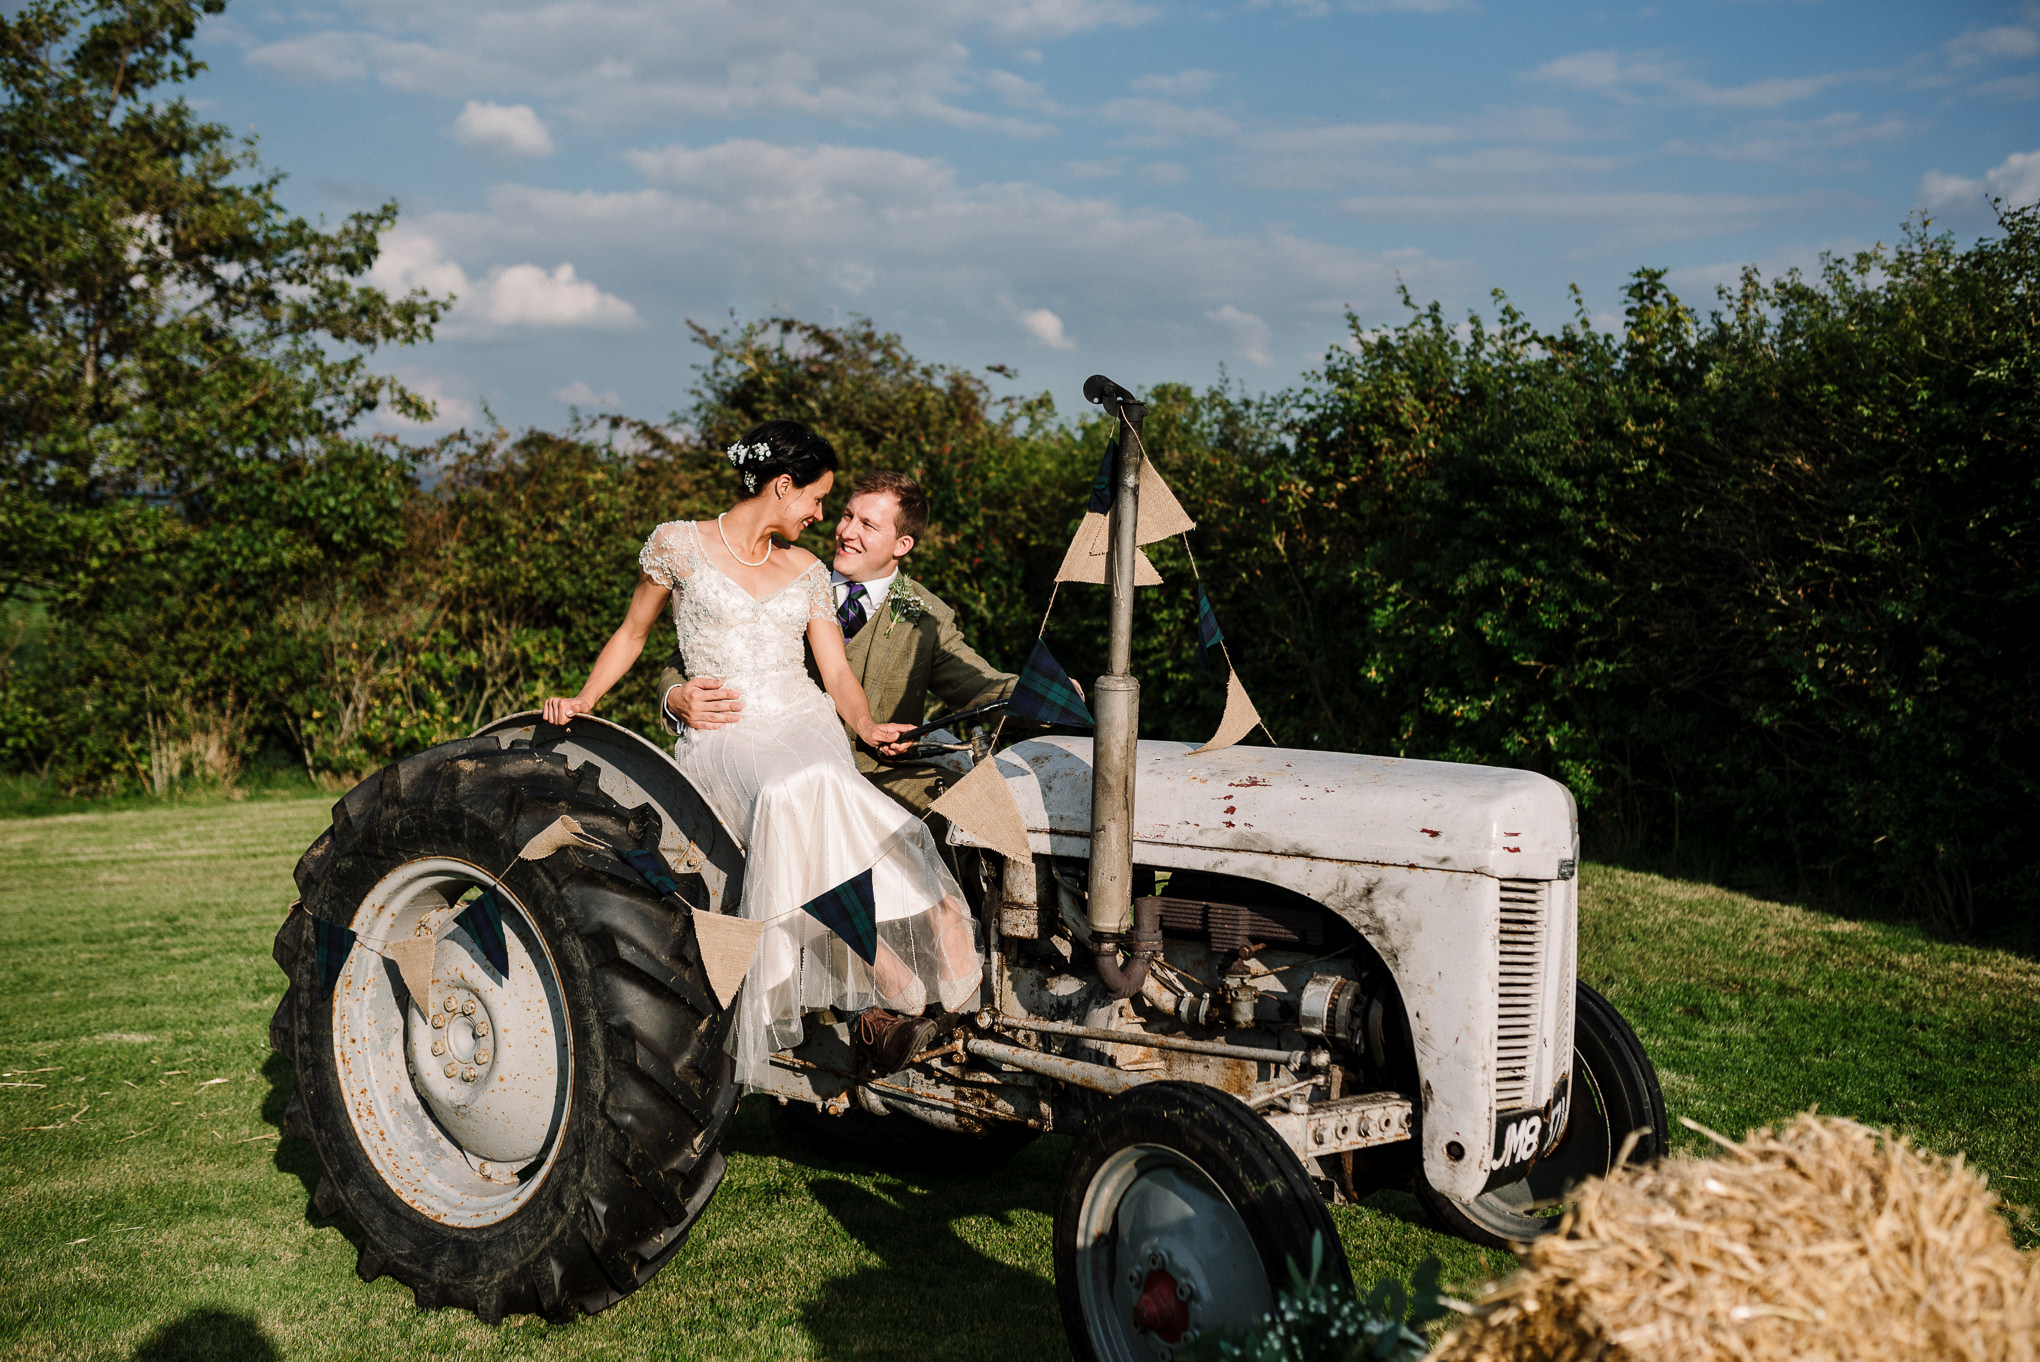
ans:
(450, 411)
(579, 394)
(508, 131)
(1251, 335)
(1660, 215)
(315, 59)
(525, 295)
(2016, 180)
(1637, 78)
(1046, 328)
(1983, 44)
(632, 62)
(1184, 84)
(521, 295)
(1777, 139)
(817, 230)
(1158, 122)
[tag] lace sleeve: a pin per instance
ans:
(665, 556)
(821, 594)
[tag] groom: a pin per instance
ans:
(902, 641)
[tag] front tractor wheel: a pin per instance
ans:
(1180, 1211)
(538, 1132)
(1614, 1093)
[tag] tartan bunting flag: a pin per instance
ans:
(483, 920)
(1101, 486)
(651, 868)
(1209, 635)
(331, 942)
(850, 910)
(1045, 693)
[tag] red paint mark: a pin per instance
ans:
(1247, 783)
(1512, 834)
(1512, 848)
(1159, 1310)
(1232, 808)
(1429, 832)
(1228, 822)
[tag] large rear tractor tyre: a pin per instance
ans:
(540, 1133)
(1614, 1094)
(1181, 1211)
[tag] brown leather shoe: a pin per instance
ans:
(890, 1040)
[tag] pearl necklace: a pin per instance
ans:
(769, 546)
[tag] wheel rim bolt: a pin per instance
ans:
(467, 1075)
(481, 1028)
(467, 1009)
(1133, 1276)
(438, 1047)
(481, 1056)
(439, 1019)
(452, 1069)
(452, 1003)
(1184, 1291)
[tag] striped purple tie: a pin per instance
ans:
(850, 614)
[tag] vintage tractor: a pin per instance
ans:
(1249, 981)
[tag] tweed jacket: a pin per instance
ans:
(901, 662)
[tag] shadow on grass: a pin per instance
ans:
(208, 1336)
(934, 1294)
(293, 1156)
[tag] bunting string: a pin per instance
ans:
(1197, 577)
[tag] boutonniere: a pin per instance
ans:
(905, 605)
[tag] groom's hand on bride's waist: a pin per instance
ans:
(703, 702)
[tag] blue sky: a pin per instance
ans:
(1148, 188)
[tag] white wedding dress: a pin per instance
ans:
(782, 781)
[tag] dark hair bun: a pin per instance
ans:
(777, 447)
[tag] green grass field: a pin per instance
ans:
(149, 1209)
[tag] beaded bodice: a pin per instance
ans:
(755, 646)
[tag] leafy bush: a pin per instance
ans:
(1316, 1321)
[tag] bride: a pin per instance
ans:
(782, 780)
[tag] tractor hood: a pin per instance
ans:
(1335, 806)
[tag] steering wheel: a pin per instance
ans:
(923, 753)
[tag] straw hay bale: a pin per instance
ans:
(1825, 1240)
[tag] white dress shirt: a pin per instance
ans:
(874, 591)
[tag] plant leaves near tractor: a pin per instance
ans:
(850, 910)
(1239, 719)
(1085, 559)
(332, 942)
(564, 831)
(483, 920)
(981, 805)
(727, 944)
(1045, 694)
(1209, 635)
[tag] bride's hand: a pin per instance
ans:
(885, 737)
(559, 709)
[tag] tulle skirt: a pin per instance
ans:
(783, 782)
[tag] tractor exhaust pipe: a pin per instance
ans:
(1116, 698)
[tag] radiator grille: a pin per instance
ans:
(1522, 961)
